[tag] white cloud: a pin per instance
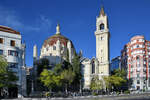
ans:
(10, 18)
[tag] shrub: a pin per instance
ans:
(127, 92)
(94, 94)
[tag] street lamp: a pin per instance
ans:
(80, 86)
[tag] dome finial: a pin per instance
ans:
(58, 29)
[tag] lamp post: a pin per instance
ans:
(80, 87)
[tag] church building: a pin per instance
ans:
(56, 49)
(100, 65)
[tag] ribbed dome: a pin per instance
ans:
(53, 39)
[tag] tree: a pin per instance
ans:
(76, 66)
(96, 84)
(49, 79)
(67, 77)
(42, 64)
(58, 69)
(108, 82)
(119, 72)
(7, 77)
(3, 71)
(116, 80)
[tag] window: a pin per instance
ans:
(102, 26)
(144, 81)
(101, 38)
(12, 53)
(138, 87)
(62, 48)
(12, 43)
(137, 46)
(13, 65)
(54, 47)
(93, 67)
(137, 58)
(101, 59)
(1, 52)
(1, 40)
(47, 49)
(138, 81)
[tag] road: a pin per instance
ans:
(145, 96)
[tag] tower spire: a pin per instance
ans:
(58, 29)
(102, 11)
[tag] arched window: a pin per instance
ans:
(137, 58)
(102, 26)
(54, 47)
(93, 67)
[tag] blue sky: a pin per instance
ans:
(37, 19)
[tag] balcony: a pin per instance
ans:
(138, 69)
(12, 59)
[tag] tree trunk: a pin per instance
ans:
(66, 89)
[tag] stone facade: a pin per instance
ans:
(100, 65)
(13, 50)
(56, 49)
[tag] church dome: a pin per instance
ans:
(57, 48)
(53, 39)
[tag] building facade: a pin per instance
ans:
(135, 58)
(13, 50)
(56, 49)
(115, 63)
(99, 66)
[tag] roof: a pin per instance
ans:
(53, 39)
(137, 37)
(102, 11)
(9, 30)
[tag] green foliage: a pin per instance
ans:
(67, 76)
(49, 79)
(127, 92)
(95, 93)
(58, 69)
(7, 77)
(76, 65)
(116, 80)
(42, 64)
(47, 94)
(62, 75)
(119, 73)
(96, 84)
(108, 82)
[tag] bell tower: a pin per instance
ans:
(102, 43)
